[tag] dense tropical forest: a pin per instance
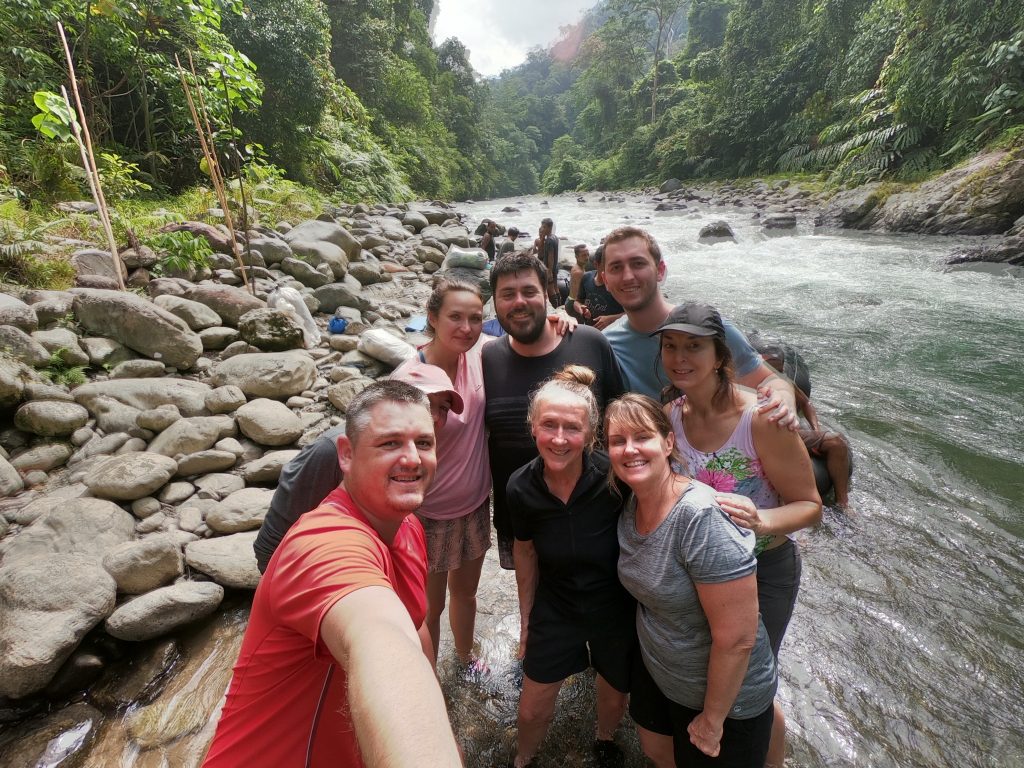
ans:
(356, 100)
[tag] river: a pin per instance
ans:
(907, 645)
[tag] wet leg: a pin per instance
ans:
(536, 711)
(462, 586)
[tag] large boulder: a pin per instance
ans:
(42, 457)
(451, 235)
(130, 476)
(11, 482)
(228, 560)
(342, 294)
(276, 375)
(147, 394)
(93, 262)
(269, 422)
(48, 604)
(50, 418)
(241, 511)
(81, 526)
(17, 313)
(271, 330)
(63, 343)
(307, 274)
(139, 325)
(197, 316)
(139, 566)
(328, 231)
(273, 249)
(716, 232)
(267, 468)
(14, 375)
(158, 612)
(190, 435)
(415, 219)
(323, 252)
(228, 302)
(23, 347)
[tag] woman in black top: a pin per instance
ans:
(574, 613)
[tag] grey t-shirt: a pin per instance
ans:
(697, 542)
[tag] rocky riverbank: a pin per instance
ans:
(129, 503)
(983, 197)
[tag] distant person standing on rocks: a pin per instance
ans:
(334, 669)
(487, 241)
(547, 252)
(509, 246)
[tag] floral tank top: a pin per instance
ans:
(733, 468)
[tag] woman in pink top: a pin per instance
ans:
(762, 472)
(455, 513)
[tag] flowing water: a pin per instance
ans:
(907, 645)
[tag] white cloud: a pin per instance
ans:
(499, 33)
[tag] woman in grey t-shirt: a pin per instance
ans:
(708, 674)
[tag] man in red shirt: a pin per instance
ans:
(333, 668)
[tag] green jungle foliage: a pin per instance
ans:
(354, 99)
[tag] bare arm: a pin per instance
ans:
(781, 400)
(788, 468)
(370, 634)
(527, 575)
(731, 610)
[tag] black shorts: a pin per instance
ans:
(557, 647)
(744, 742)
(778, 582)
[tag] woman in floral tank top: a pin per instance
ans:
(762, 472)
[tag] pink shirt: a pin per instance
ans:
(463, 478)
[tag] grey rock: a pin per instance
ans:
(63, 343)
(146, 394)
(228, 302)
(164, 610)
(143, 256)
(268, 422)
(779, 221)
(218, 338)
(176, 492)
(19, 345)
(415, 219)
(139, 325)
(145, 507)
(139, 566)
(368, 273)
(218, 485)
(343, 343)
(201, 462)
(716, 232)
(273, 249)
(46, 615)
(50, 306)
(81, 526)
(50, 418)
(337, 295)
(450, 235)
(11, 482)
(131, 476)
(196, 315)
(323, 253)
(271, 330)
(228, 560)
(241, 511)
(341, 394)
(94, 262)
(37, 507)
(132, 445)
(190, 435)
(153, 523)
(306, 273)
(35, 477)
(271, 374)
(17, 313)
(670, 185)
(267, 468)
(138, 369)
(225, 399)
(101, 351)
(45, 391)
(100, 446)
(42, 457)
(158, 419)
(113, 415)
(312, 231)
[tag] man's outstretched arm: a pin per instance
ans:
(396, 704)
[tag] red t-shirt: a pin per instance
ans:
(287, 704)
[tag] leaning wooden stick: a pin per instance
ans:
(89, 159)
(209, 154)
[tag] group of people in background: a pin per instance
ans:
(647, 482)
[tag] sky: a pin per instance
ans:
(499, 33)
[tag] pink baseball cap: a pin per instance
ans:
(430, 380)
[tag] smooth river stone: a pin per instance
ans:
(163, 610)
(131, 476)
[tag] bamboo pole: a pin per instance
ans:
(89, 159)
(209, 153)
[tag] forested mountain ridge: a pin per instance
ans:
(356, 99)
